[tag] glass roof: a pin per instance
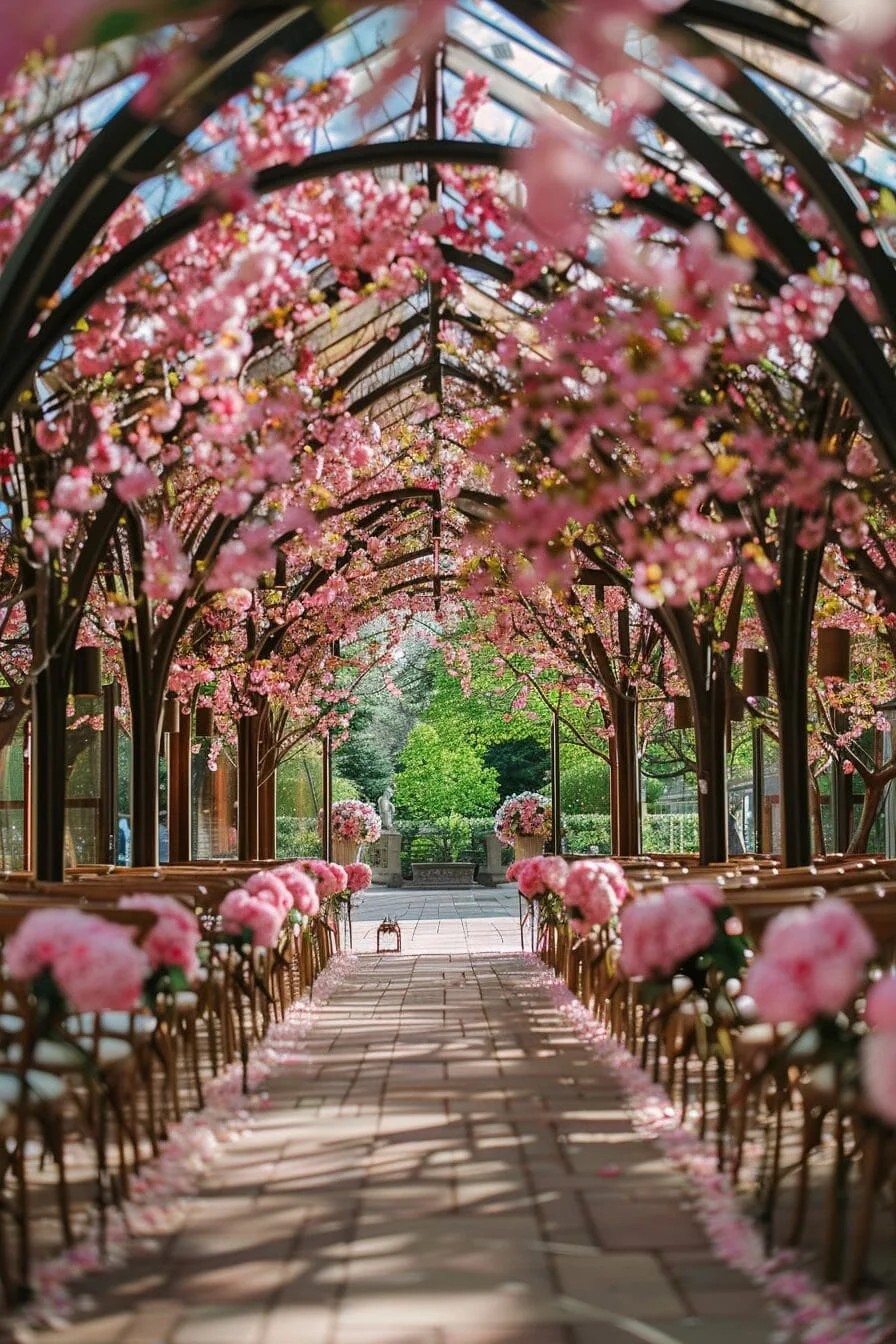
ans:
(389, 356)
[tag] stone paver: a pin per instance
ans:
(449, 1165)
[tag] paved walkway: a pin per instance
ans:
(450, 1167)
(474, 919)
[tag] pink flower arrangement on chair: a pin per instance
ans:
(662, 930)
(329, 878)
(172, 942)
(95, 965)
(359, 877)
(539, 877)
(877, 1052)
(812, 963)
(300, 887)
(252, 918)
(590, 895)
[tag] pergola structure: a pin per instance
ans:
(427, 355)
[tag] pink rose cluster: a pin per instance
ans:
(877, 1053)
(174, 938)
(594, 891)
(262, 905)
(359, 876)
(812, 962)
(663, 929)
(330, 879)
(523, 814)
(355, 821)
(96, 965)
(539, 876)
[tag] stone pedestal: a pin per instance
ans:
(493, 870)
(384, 857)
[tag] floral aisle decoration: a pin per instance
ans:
(159, 1195)
(355, 821)
(352, 824)
(685, 952)
(171, 944)
(76, 962)
(524, 820)
(805, 1312)
(359, 877)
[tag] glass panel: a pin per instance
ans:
(299, 789)
(214, 833)
(12, 803)
(83, 752)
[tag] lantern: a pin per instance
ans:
(389, 930)
(755, 673)
(832, 658)
(171, 715)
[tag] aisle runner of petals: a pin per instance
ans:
(807, 1313)
(159, 1194)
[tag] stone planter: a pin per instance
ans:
(528, 846)
(445, 875)
(345, 851)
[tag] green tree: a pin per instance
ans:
(522, 763)
(438, 775)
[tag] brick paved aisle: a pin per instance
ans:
(441, 1170)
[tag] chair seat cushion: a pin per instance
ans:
(41, 1086)
(140, 1025)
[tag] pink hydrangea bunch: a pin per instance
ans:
(300, 887)
(241, 911)
(523, 814)
(96, 965)
(589, 895)
(813, 962)
(539, 876)
(173, 940)
(877, 1053)
(355, 821)
(661, 930)
(329, 878)
(266, 885)
(359, 876)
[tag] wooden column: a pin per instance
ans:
(179, 792)
(109, 775)
(557, 820)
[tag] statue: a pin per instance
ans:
(387, 808)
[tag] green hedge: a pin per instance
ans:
(463, 838)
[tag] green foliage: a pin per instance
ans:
(584, 781)
(364, 761)
(522, 763)
(441, 775)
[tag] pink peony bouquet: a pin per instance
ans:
(354, 821)
(359, 877)
(172, 942)
(268, 886)
(877, 1051)
(591, 894)
(95, 966)
(330, 879)
(542, 876)
(812, 963)
(300, 887)
(684, 928)
(251, 919)
(523, 814)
